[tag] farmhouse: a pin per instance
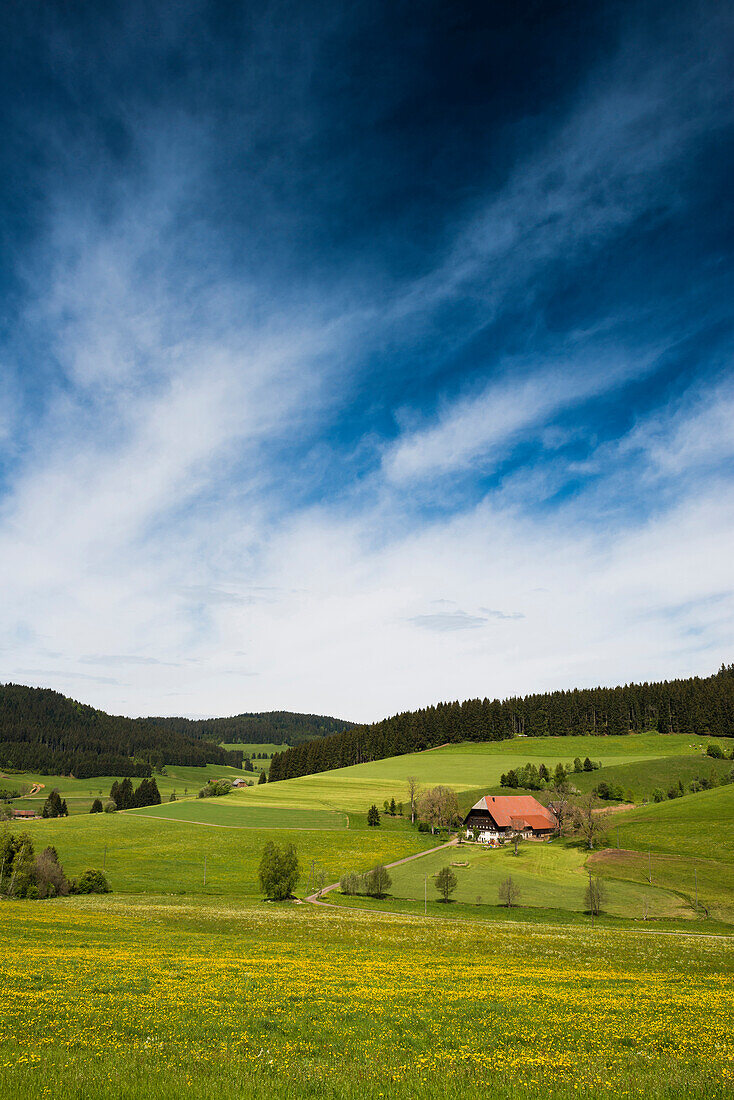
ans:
(500, 816)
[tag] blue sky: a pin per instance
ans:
(352, 360)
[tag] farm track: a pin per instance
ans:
(315, 898)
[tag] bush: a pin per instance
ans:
(715, 751)
(377, 882)
(424, 827)
(658, 795)
(92, 882)
(49, 874)
(97, 806)
(279, 871)
(110, 807)
(350, 883)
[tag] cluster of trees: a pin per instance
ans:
(700, 783)
(54, 806)
(393, 808)
(126, 797)
(279, 871)
(276, 727)
(693, 706)
(44, 731)
(534, 777)
(214, 788)
(26, 875)
(372, 884)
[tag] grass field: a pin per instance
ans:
(550, 876)
(251, 749)
(161, 997)
(235, 813)
(643, 777)
(80, 793)
(142, 853)
(465, 767)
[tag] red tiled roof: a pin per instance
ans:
(508, 808)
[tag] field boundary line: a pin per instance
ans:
(216, 825)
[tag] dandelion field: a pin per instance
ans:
(160, 996)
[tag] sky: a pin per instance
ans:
(359, 357)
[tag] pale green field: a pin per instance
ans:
(550, 876)
(464, 767)
(226, 812)
(250, 749)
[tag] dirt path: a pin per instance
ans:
(35, 789)
(315, 898)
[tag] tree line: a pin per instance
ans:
(277, 727)
(698, 705)
(44, 731)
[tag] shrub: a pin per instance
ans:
(49, 874)
(92, 882)
(97, 806)
(658, 795)
(715, 751)
(424, 827)
(279, 871)
(377, 882)
(110, 807)
(350, 883)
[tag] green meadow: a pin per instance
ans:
(162, 852)
(80, 793)
(473, 767)
(165, 848)
(549, 876)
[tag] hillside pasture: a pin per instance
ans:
(80, 793)
(227, 812)
(549, 876)
(468, 766)
(146, 854)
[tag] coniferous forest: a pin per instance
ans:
(696, 706)
(276, 727)
(43, 731)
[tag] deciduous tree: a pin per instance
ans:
(446, 882)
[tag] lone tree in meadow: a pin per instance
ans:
(373, 815)
(97, 806)
(263, 778)
(589, 823)
(446, 882)
(595, 896)
(279, 871)
(509, 892)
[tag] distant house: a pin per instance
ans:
(24, 813)
(502, 816)
(239, 782)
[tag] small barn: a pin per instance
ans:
(498, 817)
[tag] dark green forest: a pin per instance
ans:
(43, 731)
(277, 727)
(697, 706)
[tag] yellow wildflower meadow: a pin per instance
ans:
(147, 997)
